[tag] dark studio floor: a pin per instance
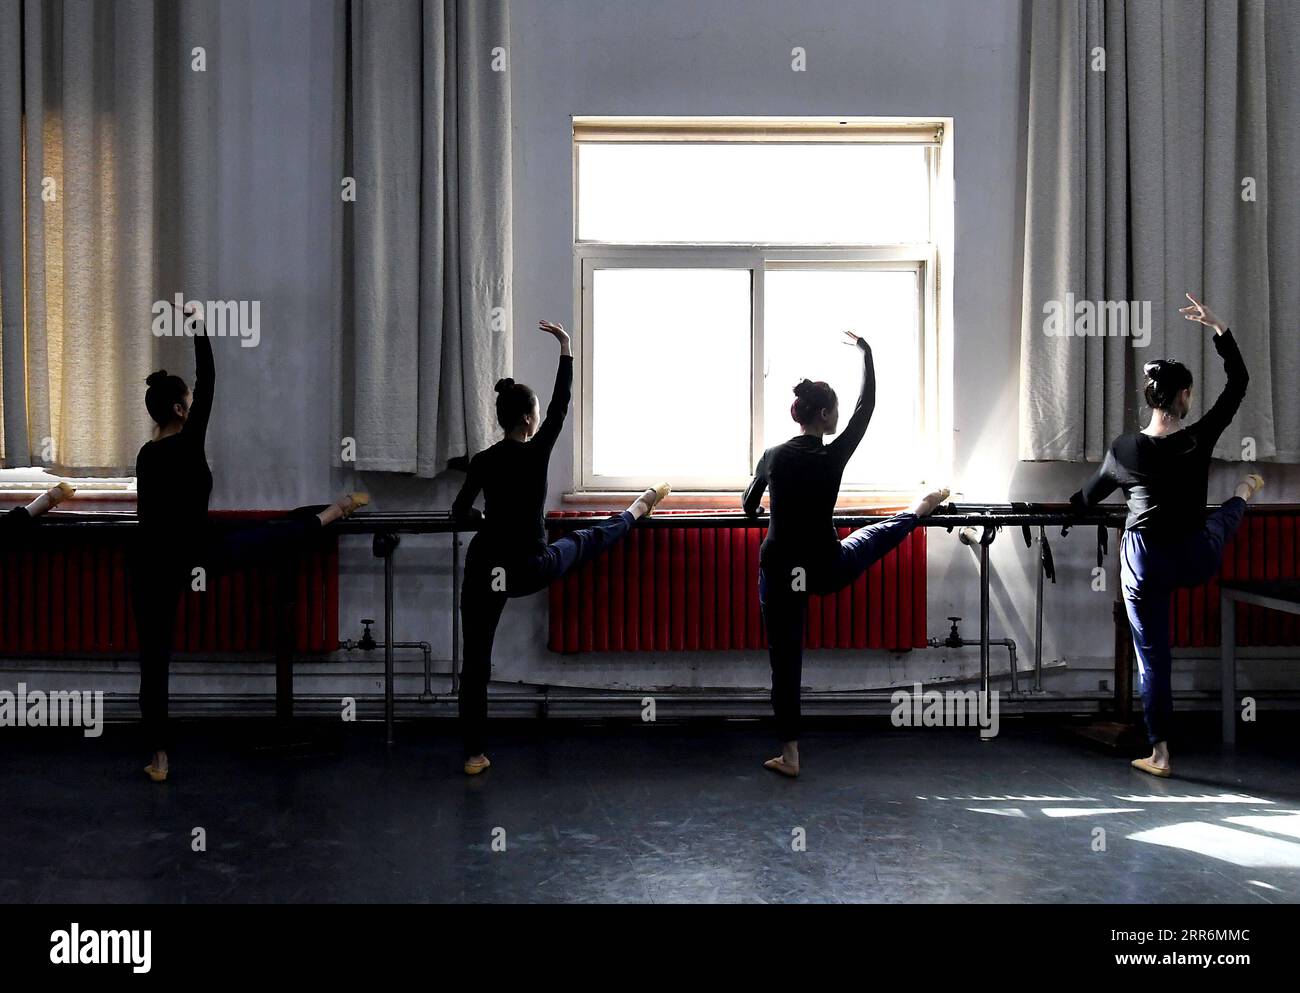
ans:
(617, 812)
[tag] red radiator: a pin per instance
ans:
(1265, 547)
(696, 589)
(66, 592)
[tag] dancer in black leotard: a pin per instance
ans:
(1169, 541)
(801, 553)
(18, 521)
(175, 539)
(509, 556)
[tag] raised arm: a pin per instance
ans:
(462, 508)
(846, 444)
(752, 500)
(1220, 415)
(563, 392)
(1102, 484)
(205, 378)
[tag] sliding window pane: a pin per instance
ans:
(805, 314)
(829, 194)
(670, 373)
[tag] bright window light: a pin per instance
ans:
(671, 372)
(806, 311)
(721, 259)
(827, 194)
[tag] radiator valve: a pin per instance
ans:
(954, 636)
(367, 642)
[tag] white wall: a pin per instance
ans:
(950, 58)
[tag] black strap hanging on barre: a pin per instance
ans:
(1048, 563)
(1103, 544)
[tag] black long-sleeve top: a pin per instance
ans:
(17, 521)
(803, 477)
(1165, 479)
(173, 480)
(512, 477)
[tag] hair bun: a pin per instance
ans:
(504, 384)
(154, 378)
(802, 387)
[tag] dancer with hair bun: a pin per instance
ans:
(173, 484)
(802, 553)
(1169, 542)
(509, 556)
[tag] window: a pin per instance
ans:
(719, 260)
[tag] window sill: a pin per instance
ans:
(873, 502)
(21, 486)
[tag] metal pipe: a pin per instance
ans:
(967, 536)
(1008, 643)
(425, 648)
(441, 522)
(1210, 697)
(455, 611)
(1038, 616)
(984, 618)
(388, 646)
(351, 646)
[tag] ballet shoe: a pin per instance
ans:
(1150, 768)
(660, 491)
(920, 506)
(474, 766)
(157, 775)
(65, 489)
(780, 765)
(355, 502)
(1256, 483)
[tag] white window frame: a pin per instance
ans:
(927, 259)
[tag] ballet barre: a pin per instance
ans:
(977, 525)
(385, 527)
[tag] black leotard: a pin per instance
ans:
(172, 475)
(1165, 479)
(16, 521)
(512, 476)
(803, 475)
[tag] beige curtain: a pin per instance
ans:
(105, 150)
(425, 298)
(1174, 168)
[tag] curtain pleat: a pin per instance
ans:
(426, 247)
(117, 134)
(1135, 181)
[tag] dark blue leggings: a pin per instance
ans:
(1151, 569)
(493, 575)
(784, 608)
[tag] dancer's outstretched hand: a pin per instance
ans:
(854, 339)
(554, 330)
(1202, 314)
(191, 313)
